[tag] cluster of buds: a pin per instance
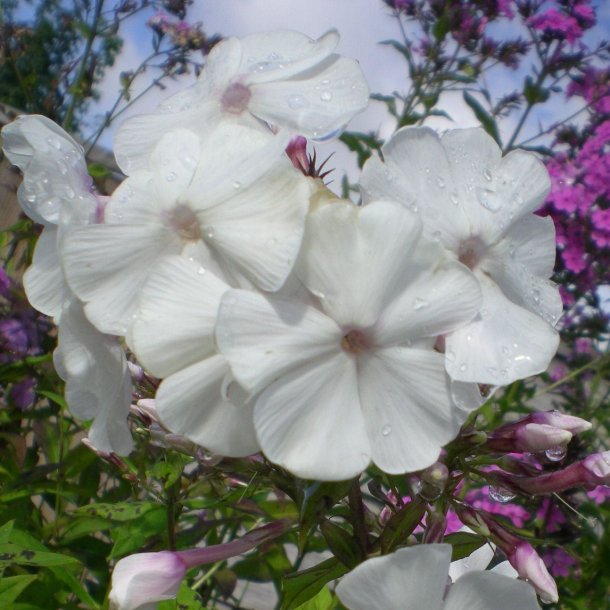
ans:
(183, 35)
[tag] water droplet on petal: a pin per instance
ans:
(536, 295)
(419, 303)
(54, 142)
(386, 430)
(450, 355)
(463, 367)
(487, 174)
(440, 182)
(209, 232)
(436, 236)
(326, 96)
(170, 176)
(556, 454)
(201, 271)
(237, 185)
(488, 199)
(454, 198)
(297, 101)
(500, 494)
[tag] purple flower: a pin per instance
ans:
(22, 393)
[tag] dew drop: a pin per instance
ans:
(450, 355)
(297, 101)
(556, 454)
(70, 192)
(209, 232)
(326, 96)
(463, 367)
(419, 303)
(170, 176)
(54, 142)
(487, 174)
(440, 182)
(436, 236)
(536, 295)
(500, 494)
(454, 198)
(200, 270)
(237, 185)
(488, 199)
(386, 430)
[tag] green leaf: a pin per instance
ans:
(6, 531)
(324, 600)
(463, 544)
(187, 599)
(121, 511)
(12, 586)
(97, 170)
(76, 587)
(486, 120)
(533, 93)
(137, 533)
(342, 544)
(58, 399)
(302, 586)
(401, 525)
(13, 554)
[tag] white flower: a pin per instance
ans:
(140, 581)
(479, 206)
(173, 337)
(415, 578)
(57, 192)
(283, 77)
(232, 200)
(357, 379)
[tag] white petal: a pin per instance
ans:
(504, 343)
(317, 105)
(407, 404)
(43, 281)
(190, 403)
(309, 421)
(264, 337)
(487, 591)
(437, 302)
(106, 266)
(260, 228)
(505, 569)
(174, 325)
(520, 264)
(98, 384)
(281, 54)
(173, 162)
(221, 65)
(477, 560)
(409, 579)
(417, 174)
(355, 259)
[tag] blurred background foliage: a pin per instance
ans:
(68, 512)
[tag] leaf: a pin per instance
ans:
(12, 586)
(187, 599)
(76, 587)
(121, 511)
(13, 554)
(342, 544)
(136, 534)
(401, 525)
(97, 170)
(5, 531)
(463, 544)
(324, 600)
(302, 586)
(486, 120)
(58, 399)
(533, 93)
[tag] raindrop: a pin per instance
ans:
(487, 174)
(454, 198)
(326, 96)
(209, 232)
(201, 271)
(419, 303)
(440, 182)
(556, 454)
(386, 430)
(416, 485)
(536, 295)
(237, 185)
(325, 82)
(500, 494)
(70, 192)
(436, 236)
(170, 176)
(54, 142)
(463, 367)
(505, 349)
(297, 101)
(450, 355)
(488, 199)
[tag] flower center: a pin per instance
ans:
(355, 341)
(184, 222)
(471, 251)
(235, 98)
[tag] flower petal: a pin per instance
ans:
(190, 403)
(264, 337)
(417, 174)
(485, 590)
(318, 105)
(409, 579)
(504, 343)
(355, 258)
(407, 405)
(309, 421)
(174, 325)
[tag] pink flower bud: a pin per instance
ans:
(539, 437)
(572, 424)
(530, 567)
(145, 578)
(297, 153)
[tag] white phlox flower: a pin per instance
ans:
(173, 337)
(283, 78)
(232, 200)
(355, 378)
(479, 206)
(57, 192)
(417, 577)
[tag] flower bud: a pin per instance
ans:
(530, 567)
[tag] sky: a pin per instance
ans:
(362, 24)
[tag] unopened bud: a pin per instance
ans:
(530, 567)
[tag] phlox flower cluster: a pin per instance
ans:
(279, 317)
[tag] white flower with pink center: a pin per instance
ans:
(479, 206)
(354, 377)
(283, 78)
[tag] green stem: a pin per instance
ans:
(590, 365)
(357, 516)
